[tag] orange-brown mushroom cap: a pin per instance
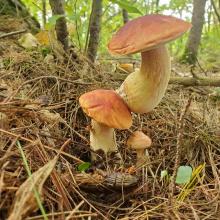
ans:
(146, 32)
(106, 107)
(138, 141)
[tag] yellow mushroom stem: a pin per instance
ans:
(143, 89)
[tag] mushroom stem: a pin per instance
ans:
(102, 137)
(141, 157)
(143, 89)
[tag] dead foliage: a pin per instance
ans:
(25, 200)
(39, 108)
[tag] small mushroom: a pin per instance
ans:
(143, 89)
(140, 142)
(108, 111)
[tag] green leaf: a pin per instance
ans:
(184, 174)
(52, 21)
(84, 166)
(127, 6)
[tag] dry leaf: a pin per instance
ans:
(25, 201)
(43, 37)
(28, 41)
(49, 117)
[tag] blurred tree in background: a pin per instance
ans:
(192, 46)
(86, 24)
(94, 29)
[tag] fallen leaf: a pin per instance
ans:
(43, 38)
(25, 201)
(28, 41)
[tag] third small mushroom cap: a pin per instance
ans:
(138, 141)
(147, 32)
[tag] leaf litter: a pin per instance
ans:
(25, 198)
(39, 108)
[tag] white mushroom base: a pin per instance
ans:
(102, 138)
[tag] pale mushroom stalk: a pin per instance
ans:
(140, 142)
(142, 157)
(102, 137)
(143, 89)
(108, 111)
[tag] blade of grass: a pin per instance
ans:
(36, 193)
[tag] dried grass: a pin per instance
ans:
(39, 107)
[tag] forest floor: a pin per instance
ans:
(40, 119)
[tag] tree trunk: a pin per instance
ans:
(157, 10)
(125, 16)
(192, 46)
(94, 29)
(57, 7)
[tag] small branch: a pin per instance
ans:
(192, 72)
(199, 81)
(12, 33)
(45, 146)
(178, 147)
(184, 81)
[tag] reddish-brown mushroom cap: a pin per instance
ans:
(146, 32)
(106, 107)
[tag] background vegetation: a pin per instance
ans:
(78, 14)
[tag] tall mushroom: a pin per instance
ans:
(143, 89)
(108, 111)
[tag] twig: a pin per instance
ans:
(12, 33)
(74, 210)
(45, 146)
(192, 67)
(199, 81)
(183, 81)
(43, 77)
(203, 70)
(82, 197)
(178, 148)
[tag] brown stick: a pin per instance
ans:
(201, 81)
(12, 33)
(184, 81)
